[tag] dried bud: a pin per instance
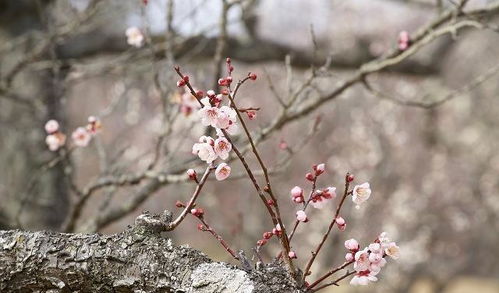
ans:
(261, 242)
(266, 188)
(179, 204)
(252, 76)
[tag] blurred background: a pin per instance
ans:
(424, 132)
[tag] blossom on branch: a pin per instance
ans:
(222, 171)
(361, 193)
(135, 37)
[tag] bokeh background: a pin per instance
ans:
(434, 170)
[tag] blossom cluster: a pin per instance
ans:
(81, 136)
(368, 262)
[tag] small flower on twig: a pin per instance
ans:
(222, 171)
(135, 37)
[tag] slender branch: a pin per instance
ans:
(208, 228)
(306, 272)
(192, 201)
(335, 282)
(331, 272)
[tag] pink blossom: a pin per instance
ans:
(208, 114)
(51, 126)
(352, 245)
(81, 137)
(363, 279)
(393, 250)
(94, 125)
(222, 171)
(361, 193)
(55, 141)
(362, 262)
(319, 169)
(301, 216)
(321, 197)
(222, 147)
(297, 194)
(204, 150)
(135, 37)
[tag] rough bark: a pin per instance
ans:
(139, 259)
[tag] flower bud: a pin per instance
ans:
(267, 235)
(310, 177)
(292, 254)
(192, 174)
(252, 76)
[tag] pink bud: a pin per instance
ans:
(210, 93)
(229, 79)
(349, 257)
(51, 126)
(283, 145)
(181, 83)
(192, 174)
(301, 216)
(261, 242)
(267, 235)
(201, 227)
(292, 254)
(252, 76)
(349, 177)
(310, 177)
(296, 192)
(251, 114)
(319, 169)
(341, 223)
(352, 245)
(186, 78)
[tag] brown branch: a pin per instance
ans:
(209, 229)
(306, 272)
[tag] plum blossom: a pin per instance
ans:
(393, 250)
(352, 245)
(363, 279)
(361, 193)
(81, 137)
(369, 261)
(94, 125)
(226, 116)
(135, 37)
(55, 141)
(222, 147)
(297, 194)
(321, 197)
(51, 126)
(222, 171)
(208, 114)
(301, 216)
(342, 225)
(204, 149)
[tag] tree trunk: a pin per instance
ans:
(136, 260)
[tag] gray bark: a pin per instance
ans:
(139, 259)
